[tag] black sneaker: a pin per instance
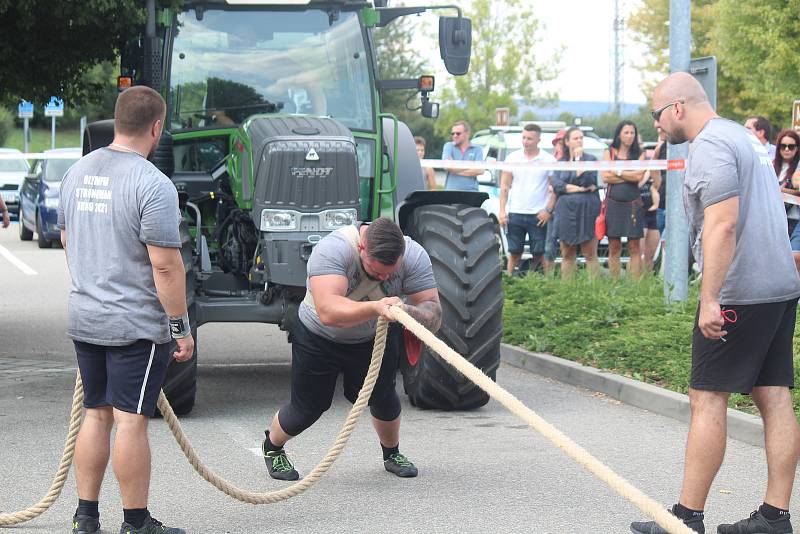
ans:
(758, 524)
(85, 524)
(651, 527)
(150, 526)
(400, 466)
(278, 464)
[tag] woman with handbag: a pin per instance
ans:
(624, 211)
(577, 207)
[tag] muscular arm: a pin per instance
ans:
(170, 278)
(719, 245)
(425, 308)
(334, 308)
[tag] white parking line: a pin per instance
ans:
(19, 264)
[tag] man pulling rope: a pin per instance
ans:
(355, 275)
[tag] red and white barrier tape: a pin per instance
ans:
(599, 165)
(791, 199)
(59, 154)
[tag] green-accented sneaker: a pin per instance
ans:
(758, 524)
(150, 526)
(85, 524)
(400, 466)
(278, 464)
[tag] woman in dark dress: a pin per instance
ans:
(577, 207)
(624, 211)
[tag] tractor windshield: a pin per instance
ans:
(228, 65)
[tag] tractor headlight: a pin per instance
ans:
(333, 219)
(272, 220)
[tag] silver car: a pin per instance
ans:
(13, 169)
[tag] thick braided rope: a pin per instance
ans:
(302, 485)
(40, 507)
(647, 505)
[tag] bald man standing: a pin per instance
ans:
(742, 339)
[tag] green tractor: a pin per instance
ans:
(274, 137)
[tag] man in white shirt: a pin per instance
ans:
(762, 129)
(523, 199)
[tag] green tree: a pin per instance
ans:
(47, 46)
(649, 26)
(506, 63)
(757, 45)
(6, 124)
(605, 123)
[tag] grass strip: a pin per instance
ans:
(617, 325)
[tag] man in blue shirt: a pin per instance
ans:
(461, 149)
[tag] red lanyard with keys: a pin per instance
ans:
(728, 316)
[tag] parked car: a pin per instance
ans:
(39, 196)
(12, 173)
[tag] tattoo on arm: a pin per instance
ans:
(428, 314)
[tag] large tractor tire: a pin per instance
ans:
(463, 249)
(180, 385)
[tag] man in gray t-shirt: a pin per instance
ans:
(119, 224)
(742, 340)
(355, 275)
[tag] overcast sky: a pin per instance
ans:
(584, 28)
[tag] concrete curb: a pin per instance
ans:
(741, 426)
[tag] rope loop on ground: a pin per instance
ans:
(321, 468)
(624, 488)
(40, 507)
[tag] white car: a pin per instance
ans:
(12, 173)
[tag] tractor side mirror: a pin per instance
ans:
(430, 110)
(455, 43)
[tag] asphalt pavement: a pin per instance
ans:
(480, 471)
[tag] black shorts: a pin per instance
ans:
(316, 365)
(128, 378)
(651, 220)
(757, 350)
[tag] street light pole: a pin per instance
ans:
(676, 275)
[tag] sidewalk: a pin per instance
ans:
(741, 426)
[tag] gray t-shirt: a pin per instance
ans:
(113, 204)
(335, 255)
(726, 160)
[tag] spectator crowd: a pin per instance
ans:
(556, 212)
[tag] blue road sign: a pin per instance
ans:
(54, 108)
(25, 110)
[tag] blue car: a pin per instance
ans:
(38, 202)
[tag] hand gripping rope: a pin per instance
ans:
(647, 505)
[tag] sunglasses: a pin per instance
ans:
(790, 146)
(456, 133)
(656, 113)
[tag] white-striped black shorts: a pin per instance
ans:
(128, 378)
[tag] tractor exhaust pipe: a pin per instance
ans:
(151, 75)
